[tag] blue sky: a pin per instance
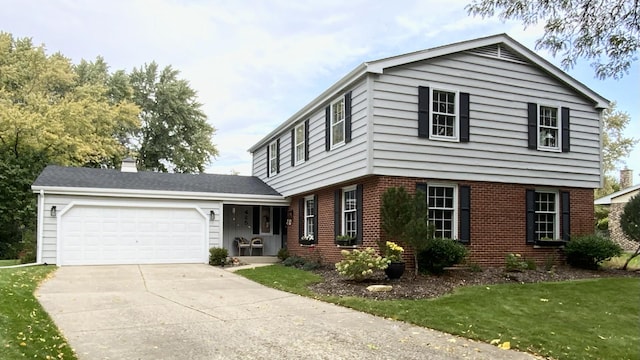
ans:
(255, 62)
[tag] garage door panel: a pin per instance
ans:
(130, 235)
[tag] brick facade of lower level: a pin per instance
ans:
(498, 219)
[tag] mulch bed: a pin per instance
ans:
(429, 286)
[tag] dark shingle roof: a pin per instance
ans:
(60, 176)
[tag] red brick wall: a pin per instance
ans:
(498, 220)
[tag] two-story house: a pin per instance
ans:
(505, 145)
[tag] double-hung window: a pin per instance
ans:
(273, 158)
(441, 200)
(546, 215)
(349, 212)
(309, 217)
(444, 115)
(299, 143)
(337, 122)
(548, 128)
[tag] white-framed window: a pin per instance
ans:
(548, 128)
(309, 217)
(547, 215)
(273, 158)
(444, 117)
(299, 143)
(349, 212)
(337, 122)
(442, 203)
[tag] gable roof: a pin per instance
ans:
(59, 177)
(379, 66)
(606, 200)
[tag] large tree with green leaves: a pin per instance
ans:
(630, 224)
(175, 135)
(608, 32)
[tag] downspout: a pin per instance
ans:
(40, 226)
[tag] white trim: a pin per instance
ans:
(295, 144)
(559, 119)
(40, 225)
(305, 215)
(273, 156)
(456, 213)
(556, 225)
(238, 199)
(456, 125)
(343, 199)
(331, 124)
(129, 204)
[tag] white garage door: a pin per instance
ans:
(96, 235)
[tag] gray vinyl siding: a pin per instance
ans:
(323, 168)
(497, 151)
(50, 224)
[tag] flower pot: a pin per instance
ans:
(394, 270)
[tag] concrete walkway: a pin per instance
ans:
(203, 312)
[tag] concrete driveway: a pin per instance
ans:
(202, 312)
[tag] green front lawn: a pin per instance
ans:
(586, 319)
(9, 262)
(26, 330)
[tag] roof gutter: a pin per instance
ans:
(325, 97)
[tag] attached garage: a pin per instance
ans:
(90, 216)
(103, 234)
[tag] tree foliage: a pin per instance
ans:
(175, 135)
(608, 32)
(630, 224)
(615, 146)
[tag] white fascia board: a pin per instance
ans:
(341, 85)
(379, 66)
(158, 194)
(606, 200)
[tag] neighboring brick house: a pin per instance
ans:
(616, 203)
(506, 146)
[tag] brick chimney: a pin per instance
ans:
(626, 178)
(128, 165)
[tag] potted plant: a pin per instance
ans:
(345, 240)
(307, 240)
(393, 253)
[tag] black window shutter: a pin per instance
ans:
(315, 219)
(347, 117)
(532, 125)
(276, 221)
(301, 218)
(423, 112)
(565, 116)
(565, 202)
(306, 140)
(277, 156)
(327, 128)
(268, 160)
(359, 217)
(465, 214)
(531, 216)
(293, 147)
(464, 117)
(256, 220)
(337, 212)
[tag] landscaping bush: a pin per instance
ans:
(588, 251)
(283, 254)
(515, 262)
(360, 265)
(218, 256)
(439, 254)
(294, 261)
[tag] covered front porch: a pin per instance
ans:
(252, 232)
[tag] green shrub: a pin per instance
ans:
(515, 262)
(310, 265)
(360, 265)
(439, 254)
(588, 251)
(218, 256)
(283, 254)
(294, 261)
(28, 253)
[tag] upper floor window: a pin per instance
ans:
(349, 212)
(273, 158)
(441, 200)
(546, 215)
(444, 115)
(548, 128)
(337, 122)
(299, 143)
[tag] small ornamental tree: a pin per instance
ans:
(630, 224)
